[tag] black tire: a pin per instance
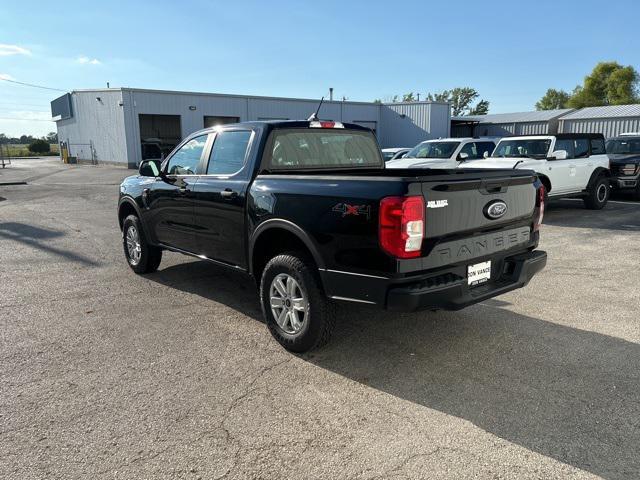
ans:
(598, 195)
(149, 256)
(636, 193)
(319, 319)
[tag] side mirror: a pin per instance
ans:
(485, 155)
(463, 156)
(149, 168)
(559, 155)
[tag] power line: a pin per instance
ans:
(32, 85)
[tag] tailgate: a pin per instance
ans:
(473, 203)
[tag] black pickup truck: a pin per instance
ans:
(308, 209)
(624, 158)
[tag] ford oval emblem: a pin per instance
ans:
(495, 209)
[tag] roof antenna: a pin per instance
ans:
(314, 116)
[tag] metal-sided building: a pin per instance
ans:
(609, 120)
(118, 125)
(544, 122)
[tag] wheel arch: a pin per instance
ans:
(276, 236)
(126, 207)
(597, 173)
(546, 182)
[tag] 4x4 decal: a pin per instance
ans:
(355, 210)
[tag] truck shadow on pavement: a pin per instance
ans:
(568, 394)
(37, 237)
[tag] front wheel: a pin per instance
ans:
(298, 314)
(141, 257)
(598, 195)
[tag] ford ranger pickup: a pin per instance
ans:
(308, 209)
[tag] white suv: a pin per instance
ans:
(569, 164)
(445, 153)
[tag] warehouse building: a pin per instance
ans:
(609, 120)
(125, 125)
(544, 122)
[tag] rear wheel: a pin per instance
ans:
(141, 257)
(298, 314)
(598, 195)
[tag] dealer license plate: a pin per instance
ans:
(479, 273)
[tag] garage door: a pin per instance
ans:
(159, 134)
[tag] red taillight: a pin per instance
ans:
(402, 226)
(540, 205)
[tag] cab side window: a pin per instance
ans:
(581, 147)
(186, 161)
(597, 146)
(228, 152)
(482, 147)
(565, 144)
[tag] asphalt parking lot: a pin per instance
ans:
(106, 374)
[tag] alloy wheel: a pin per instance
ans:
(289, 303)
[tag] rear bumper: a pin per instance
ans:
(444, 288)
(518, 271)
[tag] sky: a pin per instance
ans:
(509, 51)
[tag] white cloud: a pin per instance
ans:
(6, 50)
(86, 60)
(6, 76)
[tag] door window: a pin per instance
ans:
(581, 148)
(470, 150)
(228, 152)
(565, 144)
(186, 161)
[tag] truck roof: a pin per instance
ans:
(561, 136)
(277, 124)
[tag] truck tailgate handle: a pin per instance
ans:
(487, 188)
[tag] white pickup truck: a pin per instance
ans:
(569, 164)
(445, 153)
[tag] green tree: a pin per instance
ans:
(51, 137)
(377, 100)
(39, 146)
(3, 139)
(553, 100)
(408, 97)
(461, 100)
(481, 108)
(608, 84)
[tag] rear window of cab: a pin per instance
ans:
(331, 148)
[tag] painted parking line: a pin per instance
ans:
(622, 202)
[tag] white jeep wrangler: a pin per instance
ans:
(568, 164)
